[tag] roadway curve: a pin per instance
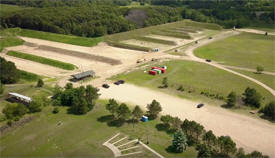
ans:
(190, 53)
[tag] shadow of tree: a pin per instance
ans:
(105, 118)
(111, 121)
(165, 128)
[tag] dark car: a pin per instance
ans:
(121, 81)
(210, 37)
(105, 86)
(200, 105)
(117, 83)
(208, 60)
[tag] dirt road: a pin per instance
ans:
(190, 52)
(255, 31)
(251, 134)
(247, 69)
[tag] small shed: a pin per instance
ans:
(83, 75)
(19, 98)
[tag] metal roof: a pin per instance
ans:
(21, 96)
(84, 74)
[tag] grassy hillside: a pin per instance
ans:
(80, 136)
(195, 78)
(245, 50)
(74, 40)
(42, 60)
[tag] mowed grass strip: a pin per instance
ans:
(172, 34)
(129, 46)
(68, 39)
(42, 60)
(28, 76)
(246, 50)
(155, 40)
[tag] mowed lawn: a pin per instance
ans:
(80, 136)
(194, 77)
(269, 80)
(68, 39)
(245, 50)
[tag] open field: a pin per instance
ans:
(69, 39)
(42, 60)
(265, 78)
(80, 136)
(194, 77)
(245, 50)
(247, 132)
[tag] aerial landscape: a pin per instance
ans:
(137, 78)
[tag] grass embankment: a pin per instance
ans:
(74, 40)
(155, 40)
(172, 34)
(245, 50)
(80, 136)
(269, 80)
(129, 46)
(29, 77)
(195, 78)
(141, 33)
(8, 39)
(5, 8)
(42, 60)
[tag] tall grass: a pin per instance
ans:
(42, 60)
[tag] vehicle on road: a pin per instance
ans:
(121, 81)
(105, 86)
(210, 38)
(208, 60)
(200, 105)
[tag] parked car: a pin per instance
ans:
(117, 83)
(210, 37)
(121, 81)
(105, 86)
(208, 60)
(200, 105)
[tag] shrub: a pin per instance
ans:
(2, 88)
(269, 110)
(9, 72)
(56, 110)
(40, 83)
(252, 97)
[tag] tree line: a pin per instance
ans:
(185, 133)
(92, 18)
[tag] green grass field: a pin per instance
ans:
(194, 77)
(74, 40)
(269, 80)
(42, 60)
(244, 50)
(155, 40)
(80, 136)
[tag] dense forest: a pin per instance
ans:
(93, 18)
